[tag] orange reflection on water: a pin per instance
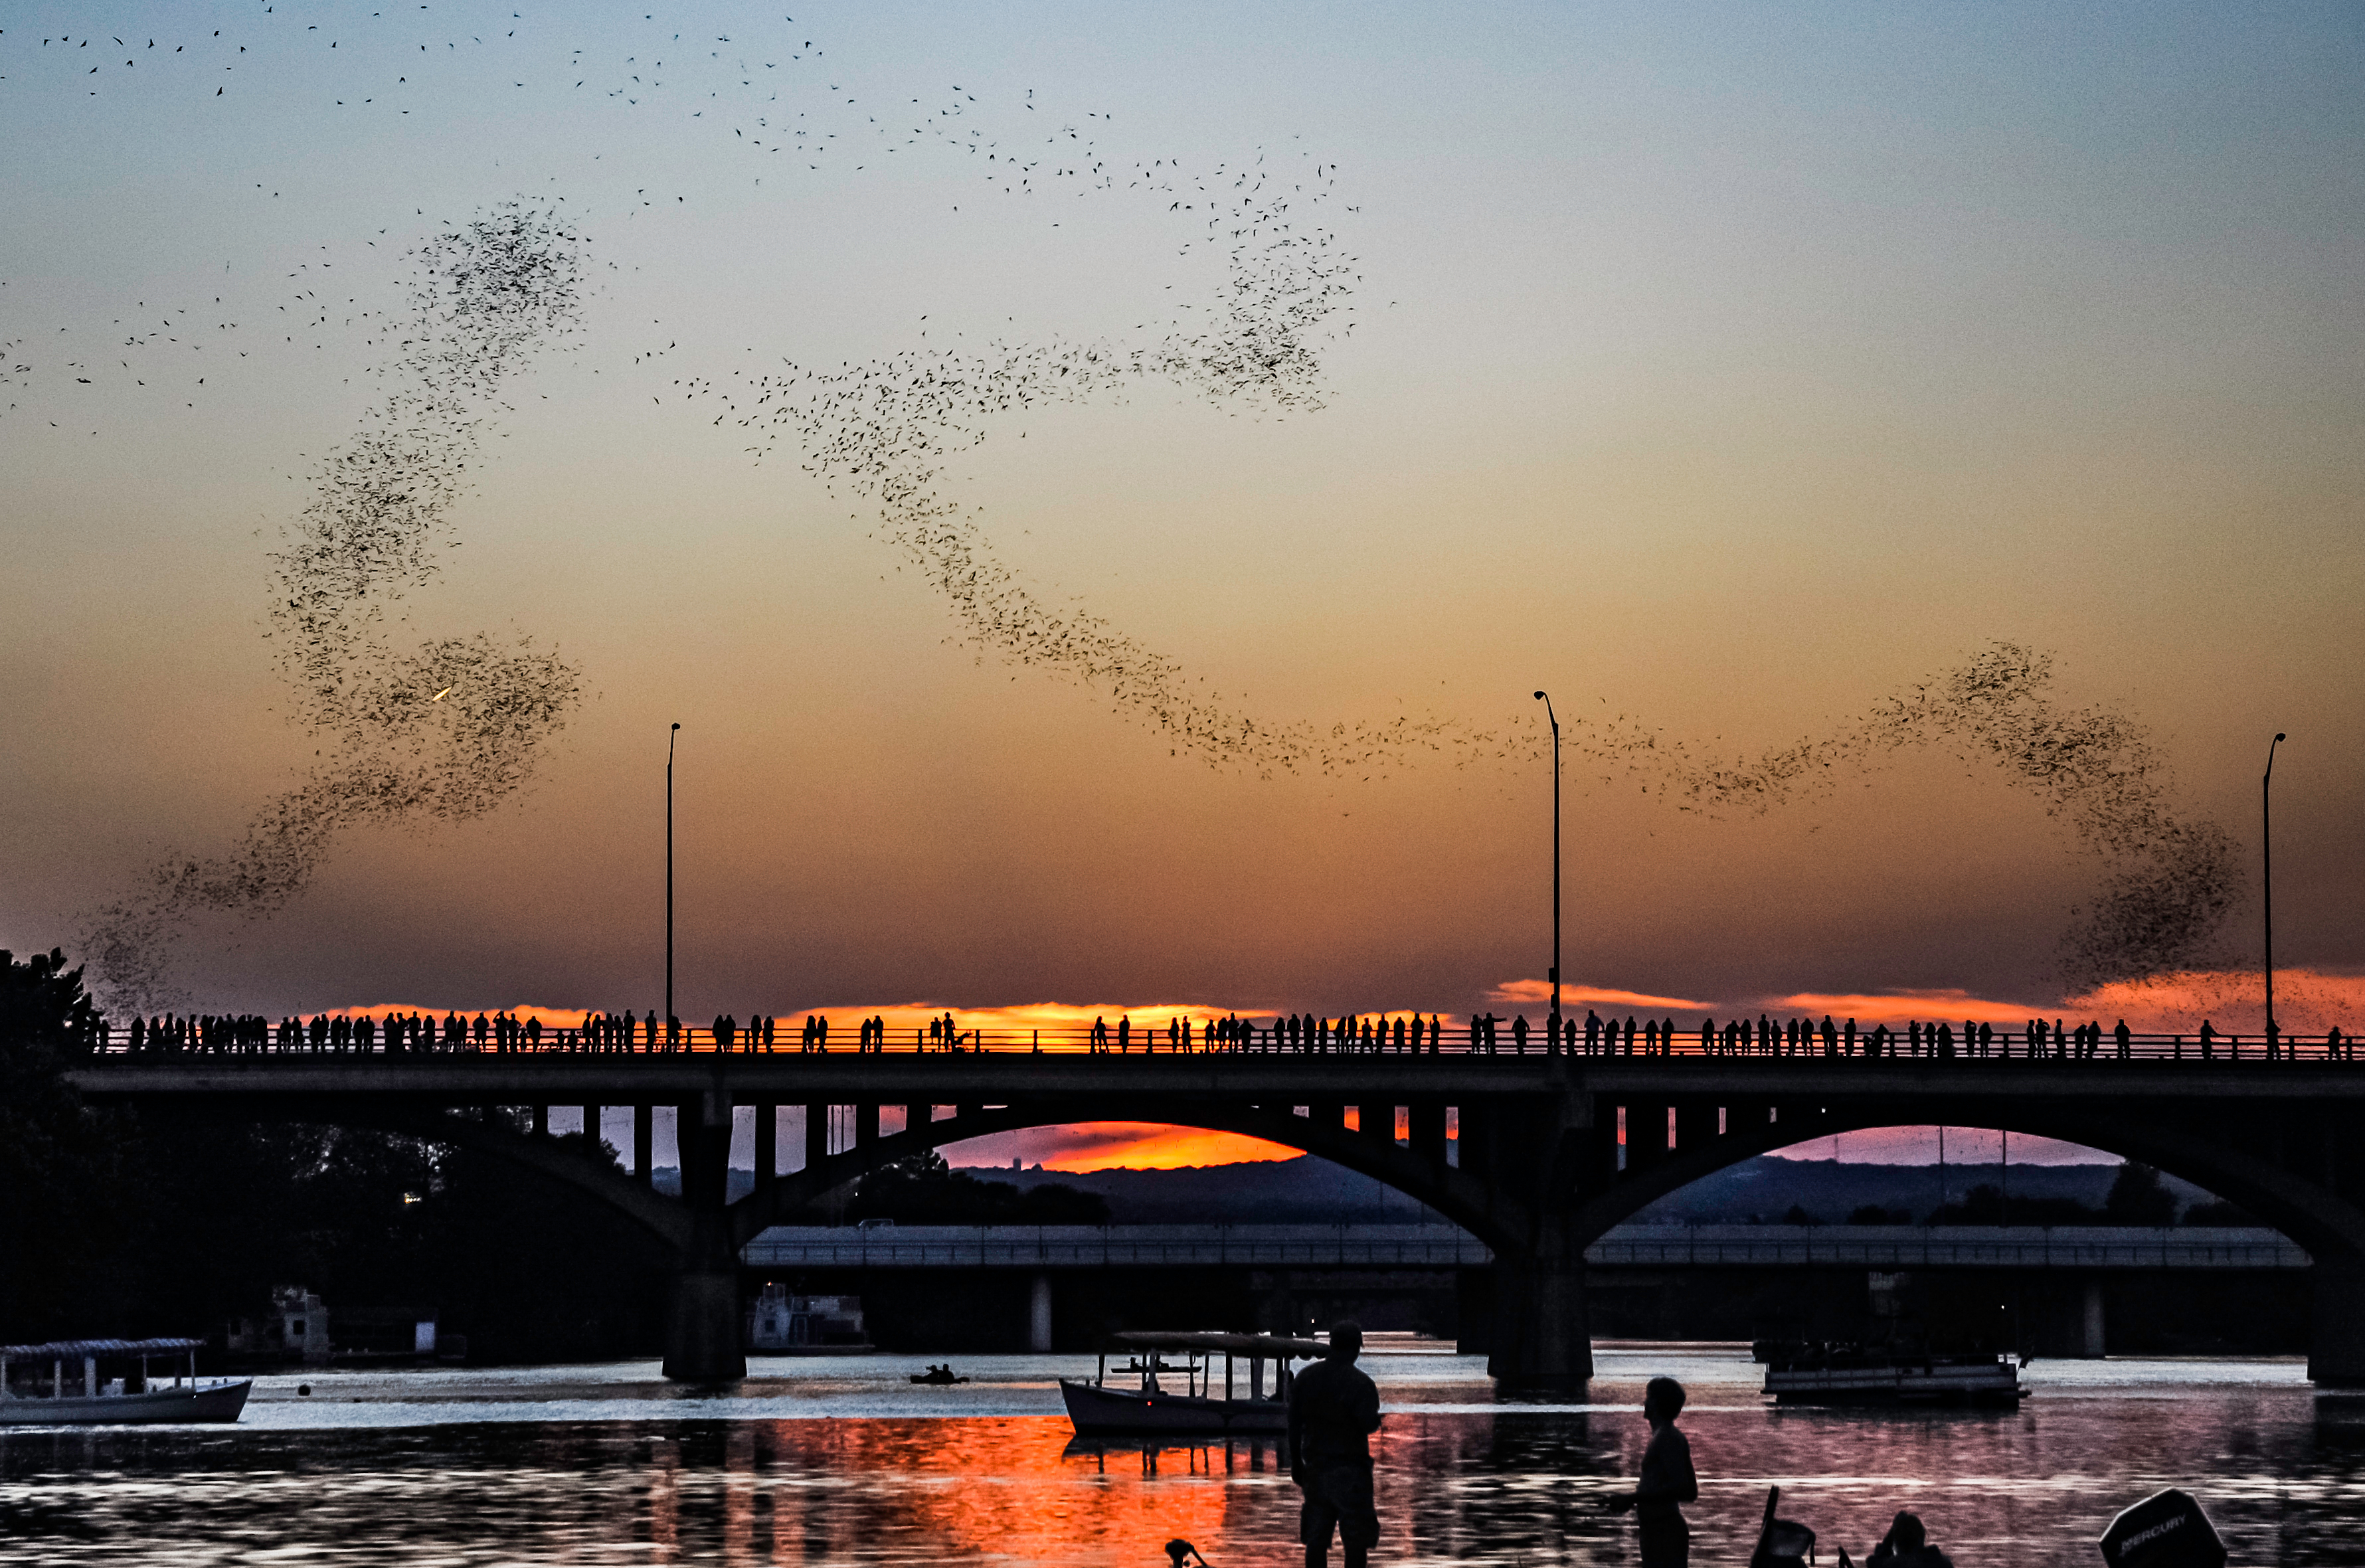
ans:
(1000, 1487)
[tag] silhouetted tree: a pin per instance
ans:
(923, 1190)
(2217, 1211)
(2137, 1198)
(62, 1190)
(1986, 1204)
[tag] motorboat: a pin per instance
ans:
(133, 1397)
(1154, 1394)
(1848, 1374)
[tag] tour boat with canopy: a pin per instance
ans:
(1236, 1401)
(133, 1396)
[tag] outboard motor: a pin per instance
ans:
(2167, 1529)
(1782, 1543)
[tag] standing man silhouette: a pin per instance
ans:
(1666, 1482)
(1333, 1408)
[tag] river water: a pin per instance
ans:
(841, 1460)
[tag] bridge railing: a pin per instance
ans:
(1379, 1036)
(1120, 1246)
(2084, 1248)
(1947, 1246)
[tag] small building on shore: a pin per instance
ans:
(781, 1322)
(294, 1330)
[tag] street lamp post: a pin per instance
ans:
(1552, 1030)
(668, 1011)
(2267, 858)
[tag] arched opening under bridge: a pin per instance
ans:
(2287, 1175)
(984, 1245)
(1956, 1237)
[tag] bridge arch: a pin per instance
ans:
(2310, 1213)
(1424, 1178)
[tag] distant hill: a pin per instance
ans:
(1765, 1188)
(1302, 1191)
(1307, 1190)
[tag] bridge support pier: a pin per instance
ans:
(1544, 1339)
(703, 1340)
(2336, 1352)
(1038, 1315)
(767, 1143)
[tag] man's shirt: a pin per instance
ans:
(1332, 1408)
(1667, 1479)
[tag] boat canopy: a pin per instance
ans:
(100, 1348)
(1273, 1345)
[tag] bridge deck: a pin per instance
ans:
(260, 1038)
(996, 1078)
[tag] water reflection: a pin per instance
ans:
(2282, 1470)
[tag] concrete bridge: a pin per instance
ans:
(1536, 1154)
(1286, 1269)
(1384, 1246)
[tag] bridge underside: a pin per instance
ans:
(1536, 1156)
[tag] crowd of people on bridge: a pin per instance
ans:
(1349, 1035)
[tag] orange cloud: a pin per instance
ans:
(1059, 1025)
(1904, 1006)
(2306, 1002)
(1538, 993)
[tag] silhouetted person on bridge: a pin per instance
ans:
(1333, 1411)
(1667, 1483)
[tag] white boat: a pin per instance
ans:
(1148, 1400)
(1845, 1375)
(129, 1399)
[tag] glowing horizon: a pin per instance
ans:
(2308, 1001)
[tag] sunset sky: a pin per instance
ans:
(1727, 368)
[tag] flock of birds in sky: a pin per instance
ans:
(446, 728)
